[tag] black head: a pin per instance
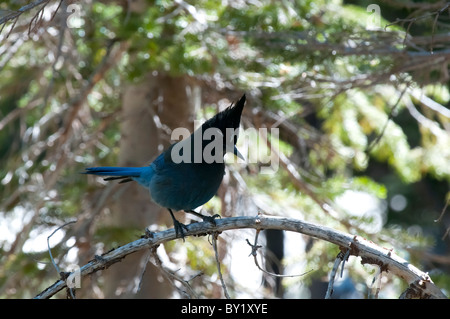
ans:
(215, 137)
(230, 119)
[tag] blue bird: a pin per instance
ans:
(188, 174)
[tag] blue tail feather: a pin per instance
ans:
(115, 171)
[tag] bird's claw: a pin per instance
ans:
(179, 229)
(211, 219)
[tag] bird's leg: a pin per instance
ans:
(178, 226)
(210, 219)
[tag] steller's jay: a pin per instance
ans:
(188, 174)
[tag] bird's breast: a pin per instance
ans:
(185, 186)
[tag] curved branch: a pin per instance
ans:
(358, 246)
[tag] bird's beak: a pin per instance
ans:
(237, 153)
(233, 149)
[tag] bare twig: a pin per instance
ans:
(411, 21)
(214, 243)
(15, 14)
(70, 291)
(377, 279)
(430, 14)
(337, 262)
(144, 264)
(37, 18)
(171, 276)
(367, 250)
(390, 117)
(443, 211)
(253, 253)
(344, 260)
(442, 216)
(48, 244)
(340, 258)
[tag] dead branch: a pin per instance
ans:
(358, 246)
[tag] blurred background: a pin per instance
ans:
(357, 90)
